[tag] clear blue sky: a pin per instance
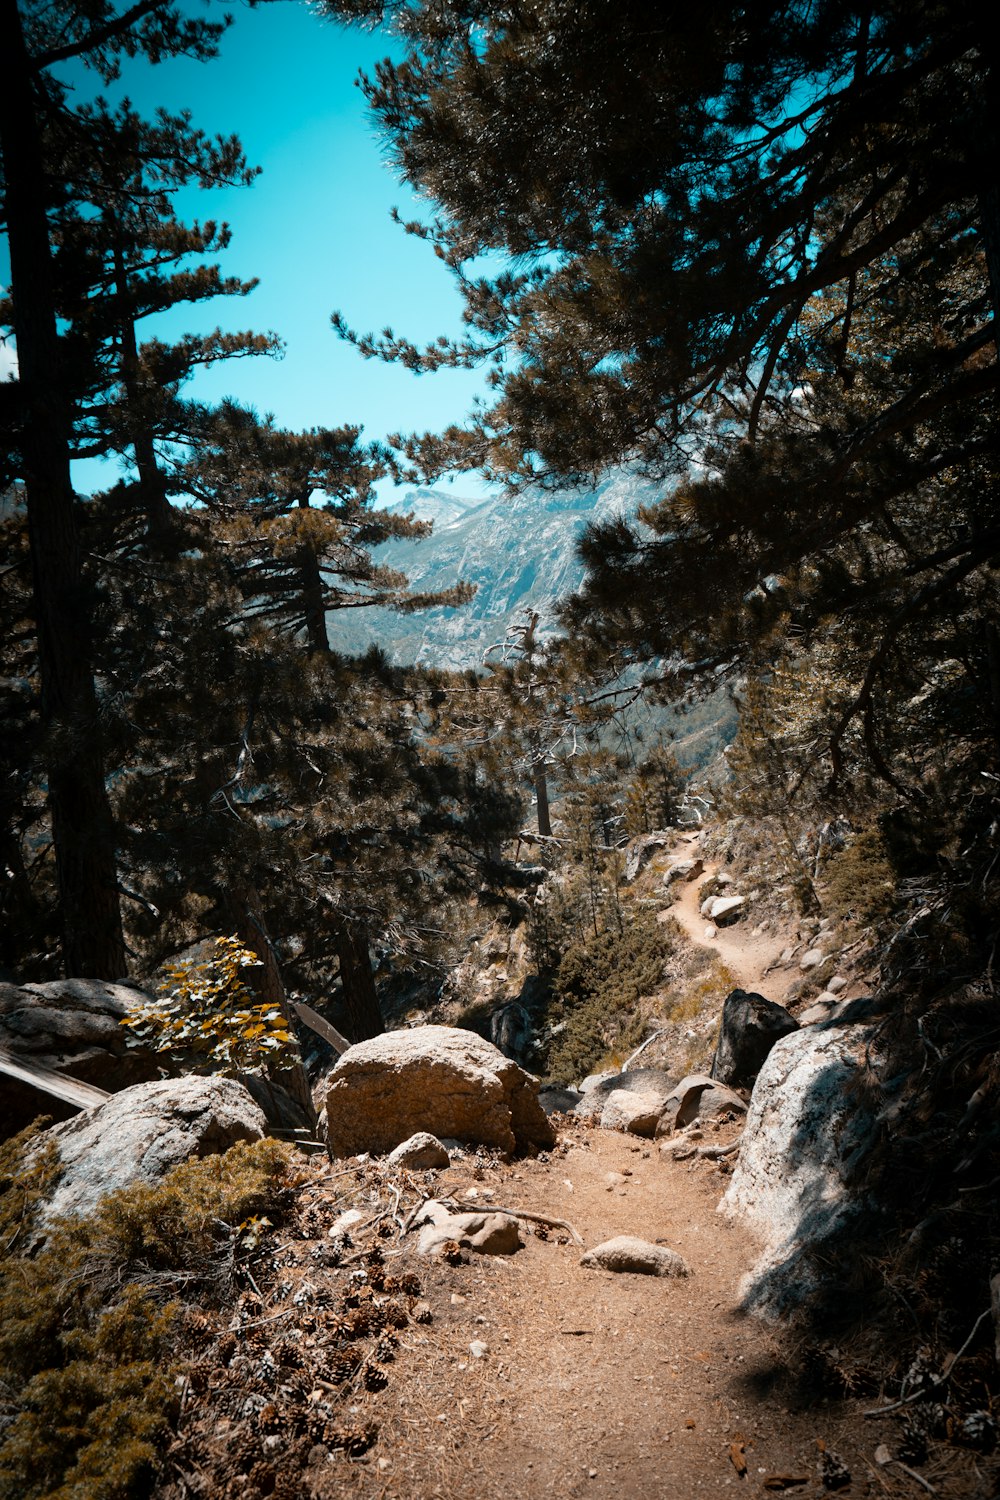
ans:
(314, 227)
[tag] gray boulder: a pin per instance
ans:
(143, 1132)
(73, 1027)
(422, 1152)
(435, 1078)
(485, 1233)
(805, 1136)
(636, 1113)
(627, 1253)
(641, 850)
(750, 1027)
(696, 1096)
(634, 1081)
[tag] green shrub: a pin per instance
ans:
(860, 883)
(86, 1390)
(597, 991)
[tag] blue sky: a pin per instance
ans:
(314, 227)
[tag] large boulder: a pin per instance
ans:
(73, 1027)
(140, 1134)
(633, 1081)
(795, 1181)
(750, 1027)
(697, 1097)
(437, 1078)
(639, 1114)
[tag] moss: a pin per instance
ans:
(86, 1327)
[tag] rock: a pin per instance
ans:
(74, 1027)
(750, 1027)
(143, 1132)
(593, 1081)
(813, 958)
(705, 908)
(685, 870)
(422, 1152)
(559, 1101)
(995, 1307)
(725, 906)
(435, 1078)
(641, 850)
(478, 1349)
(836, 984)
(710, 932)
(634, 1081)
(485, 1233)
(636, 1113)
(696, 1095)
(627, 1253)
(805, 1134)
(510, 1030)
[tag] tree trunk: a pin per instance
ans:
(312, 595)
(542, 798)
(82, 826)
(357, 983)
(152, 492)
(244, 913)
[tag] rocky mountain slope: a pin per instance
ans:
(519, 551)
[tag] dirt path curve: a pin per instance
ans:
(747, 958)
(610, 1387)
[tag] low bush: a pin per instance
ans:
(597, 990)
(86, 1388)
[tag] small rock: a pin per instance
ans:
(478, 1349)
(836, 984)
(344, 1222)
(710, 932)
(813, 958)
(628, 1253)
(421, 1152)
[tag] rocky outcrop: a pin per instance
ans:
(627, 1253)
(641, 850)
(750, 1027)
(143, 1132)
(794, 1182)
(71, 1026)
(434, 1078)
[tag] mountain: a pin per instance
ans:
(519, 551)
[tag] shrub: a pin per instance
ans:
(860, 881)
(86, 1325)
(597, 991)
(208, 1020)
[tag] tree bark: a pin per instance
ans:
(357, 983)
(82, 826)
(312, 595)
(542, 798)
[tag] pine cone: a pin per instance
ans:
(376, 1378)
(977, 1430)
(353, 1440)
(262, 1477)
(341, 1366)
(451, 1251)
(410, 1283)
(394, 1315)
(385, 1350)
(833, 1472)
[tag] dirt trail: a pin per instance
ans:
(748, 958)
(595, 1384)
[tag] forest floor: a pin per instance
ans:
(531, 1374)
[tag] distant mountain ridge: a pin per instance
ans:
(519, 551)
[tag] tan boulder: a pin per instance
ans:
(435, 1078)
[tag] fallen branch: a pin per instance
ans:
(715, 1153)
(523, 1213)
(936, 1380)
(640, 1050)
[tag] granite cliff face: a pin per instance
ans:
(519, 551)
